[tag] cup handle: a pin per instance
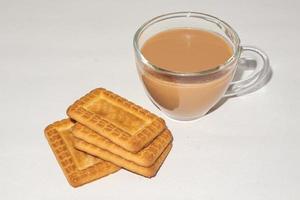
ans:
(257, 78)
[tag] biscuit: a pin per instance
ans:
(121, 121)
(78, 167)
(146, 157)
(117, 160)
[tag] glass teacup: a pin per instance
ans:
(187, 96)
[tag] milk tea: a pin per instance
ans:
(186, 50)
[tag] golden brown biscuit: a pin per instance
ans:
(78, 167)
(121, 121)
(146, 157)
(131, 166)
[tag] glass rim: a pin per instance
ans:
(213, 19)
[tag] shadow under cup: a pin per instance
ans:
(186, 96)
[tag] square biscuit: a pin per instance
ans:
(119, 120)
(145, 157)
(117, 160)
(78, 167)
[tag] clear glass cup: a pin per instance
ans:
(188, 96)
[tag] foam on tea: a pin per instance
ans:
(186, 50)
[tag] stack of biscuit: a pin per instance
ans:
(106, 132)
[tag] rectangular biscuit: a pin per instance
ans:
(119, 120)
(145, 157)
(78, 167)
(131, 166)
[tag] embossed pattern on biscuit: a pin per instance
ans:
(116, 115)
(78, 167)
(81, 160)
(145, 157)
(121, 121)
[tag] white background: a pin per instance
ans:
(53, 52)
